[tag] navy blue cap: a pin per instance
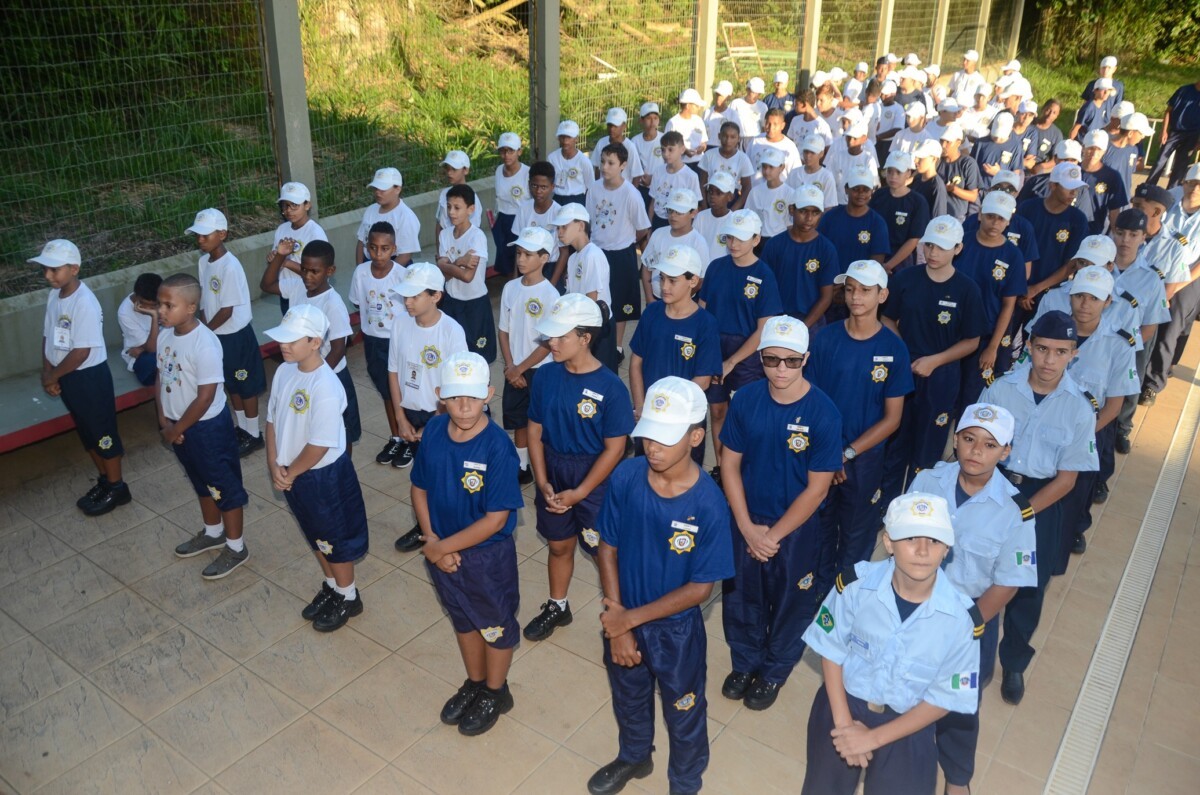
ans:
(1054, 325)
(1155, 194)
(1132, 219)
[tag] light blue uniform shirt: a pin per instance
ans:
(1107, 365)
(933, 656)
(993, 545)
(1176, 248)
(1120, 314)
(1147, 286)
(1058, 434)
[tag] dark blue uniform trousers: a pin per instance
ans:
(1142, 361)
(1172, 337)
(850, 516)
(958, 733)
(673, 656)
(920, 440)
(1022, 614)
(906, 767)
(767, 606)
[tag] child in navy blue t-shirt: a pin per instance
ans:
(804, 261)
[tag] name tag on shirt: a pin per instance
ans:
(681, 338)
(754, 279)
(62, 339)
(860, 645)
(412, 371)
(951, 304)
(882, 358)
(691, 528)
(474, 465)
(593, 395)
(800, 428)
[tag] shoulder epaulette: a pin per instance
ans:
(1180, 237)
(977, 620)
(1092, 399)
(1161, 275)
(847, 576)
(1128, 336)
(1132, 301)
(1023, 503)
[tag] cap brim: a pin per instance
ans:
(739, 234)
(842, 277)
(283, 334)
(1095, 293)
(679, 209)
(377, 185)
(668, 433)
(405, 290)
(527, 246)
(938, 241)
(549, 327)
(901, 530)
(1072, 184)
(197, 229)
(50, 262)
(673, 270)
(464, 390)
(962, 426)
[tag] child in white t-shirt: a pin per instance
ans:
(707, 222)
(572, 169)
(649, 146)
(688, 123)
(389, 207)
(457, 167)
(813, 173)
(770, 198)
(681, 211)
(540, 211)
(463, 260)
(670, 176)
(587, 272)
(138, 318)
(728, 158)
(512, 188)
(296, 232)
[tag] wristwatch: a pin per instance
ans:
(849, 453)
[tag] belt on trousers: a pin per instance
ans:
(879, 708)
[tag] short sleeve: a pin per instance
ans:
(962, 659)
(132, 333)
(234, 291)
(356, 296)
(733, 432)
(715, 558)
(618, 411)
(1122, 372)
(900, 379)
(708, 346)
(609, 520)
(408, 233)
(363, 229)
(827, 634)
(637, 344)
(827, 453)
(507, 299)
(394, 348)
(1015, 283)
(537, 394)
(503, 492)
(339, 317)
(1079, 454)
(832, 262)
(879, 235)
(325, 426)
(1015, 565)
(770, 303)
(273, 403)
(210, 367)
(87, 324)
(972, 313)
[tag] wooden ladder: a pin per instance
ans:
(740, 31)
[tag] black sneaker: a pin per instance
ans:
(736, 685)
(525, 476)
(112, 496)
(313, 608)
(487, 708)
(93, 494)
(1080, 545)
(1123, 446)
(337, 611)
(389, 452)
(1100, 496)
(1147, 397)
(248, 444)
(404, 457)
(543, 624)
(762, 694)
(460, 702)
(410, 541)
(616, 774)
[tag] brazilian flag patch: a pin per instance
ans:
(825, 619)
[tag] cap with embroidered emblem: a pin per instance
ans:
(673, 405)
(1068, 175)
(534, 238)
(387, 177)
(808, 196)
(508, 140)
(1098, 250)
(571, 212)
(1068, 150)
(682, 200)
(208, 221)
(723, 181)
(945, 232)
(419, 277)
(571, 311)
(294, 192)
(652, 107)
(742, 224)
(784, 331)
(678, 260)
(1054, 325)
(1007, 177)
(1136, 122)
(456, 158)
(866, 272)
(998, 203)
(616, 117)
(690, 96)
(1132, 219)
(770, 156)
(464, 374)
(996, 420)
(305, 320)
(781, 76)
(1097, 139)
(724, 88)
(1155, 193)
(57, 254)
(567, 129)
(901, 161)
(756, 85)
(1093, 280)
(919, 515)
(813, 143)
(860, 177)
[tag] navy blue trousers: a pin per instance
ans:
(958, 733)
(850, 515)
(921, 438)
(1022, 614)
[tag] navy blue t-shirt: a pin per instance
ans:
(1123, 160)
(578, 411)
(1106, 192)
(934, 192)
(934, 316)
(1035, 187)
(855, 238)
(738, 296)
(999, 271)
(1019, 233)
(1090, 117)
(687, 347)
(859, 375)
(906, 217)
(780, 444)
(801, 269)
(1043, 147)
(964, 174)
(1058, 236)
(1008, 155)
(1185, 109)
(467, 480)
(664, 543)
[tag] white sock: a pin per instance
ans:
(239, 419)
(523, 457)
(562, 603)
(214, 530)
(349, 593)
(236, 544)
(252, 426)
(397, 439)
(332, 583)
(620, 349)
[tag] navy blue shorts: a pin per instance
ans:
(328, 506)
(88, 395)
(482, 596)
(243, 363)
(350, 416)
(503, 234)
(209, 454)
(573, 198)
(514, 403)
(417, 418)
(625, 283)
(478, 322)
(145, 368)
(566, 472)
(658, 223)
(375, 351)
(747, 371)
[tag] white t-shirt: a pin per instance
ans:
(739, 166)
(908, 139)
(571, 177)
(871, 113)
(473, 241)
(708, 226)
(617, 215)
(963, 87)
(74, 322)
(891, 117)
(306, 408)
(444, 220)
(373, 297)
(749, 117)
(521, 306)
(694, 133)
(402, 219)
(135, 329)
(511, 191)
(713, 119)
(527, 215)
(801, 128)
(841, 165)
(662, 182)
(287, 278)
(658, 245)
(773, 206)
(416, 355)
(186, 363)
(222, 284)
(822, 178)
(649, 152)
(633, 166)
(587, 272)
(791, 156)
(335, 310)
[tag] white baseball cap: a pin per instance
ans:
(984, 89)
(294, 192)
(305, 320)
(508, 140)
(770, 156)
(571, 311)
(1002, 125)
(1097, 249)
(1097, 139)
(784, 331)
(647, 108)
(419, 277)
(945, 232)
(567, 129)
(742, 224)
(861, 66)
(912, 59)
(682, 200)
(673, 405)
(860, 177)
(851, 93)
(971, 55)
(901, 161)
(949, 105)
(891, 57)
(1108, 61)
(464, 374)
(927, 148)
(912, 73)
(857, 130)
(808, 196)
(1193, 173)
(208, 221)
(723, 181)
(571, 212)
(888, 87)
(781, 76)
(534, 238)
(724, 88)
(998, 203)
(852, 116)
(813, 143)
(951, 132)
(1007, 177)
(866, 272)
(1028, 106)
(1093, 280)
(916, 109)
(837, 74)
(678, 260)
(819, 78)
(1137, 122)
(1102, 83)
(1123, 109)
(1068, 175)
(996, 420)
(918, 515)
(690, 96)
(756, 85)
(57, 254)
(616, 117)
(456, 158)
(389, 177)
(1068, 150)
(1012, 66)
(934, 69)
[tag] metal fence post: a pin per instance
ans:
(985, 12)
(939, 32)
(704, 70)
(289, 99)
(543, 86)
(806, 59)
(1014, 37)
(884, 38)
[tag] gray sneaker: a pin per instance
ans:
(226, 562)
(199, 543)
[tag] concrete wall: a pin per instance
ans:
(21, 316)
